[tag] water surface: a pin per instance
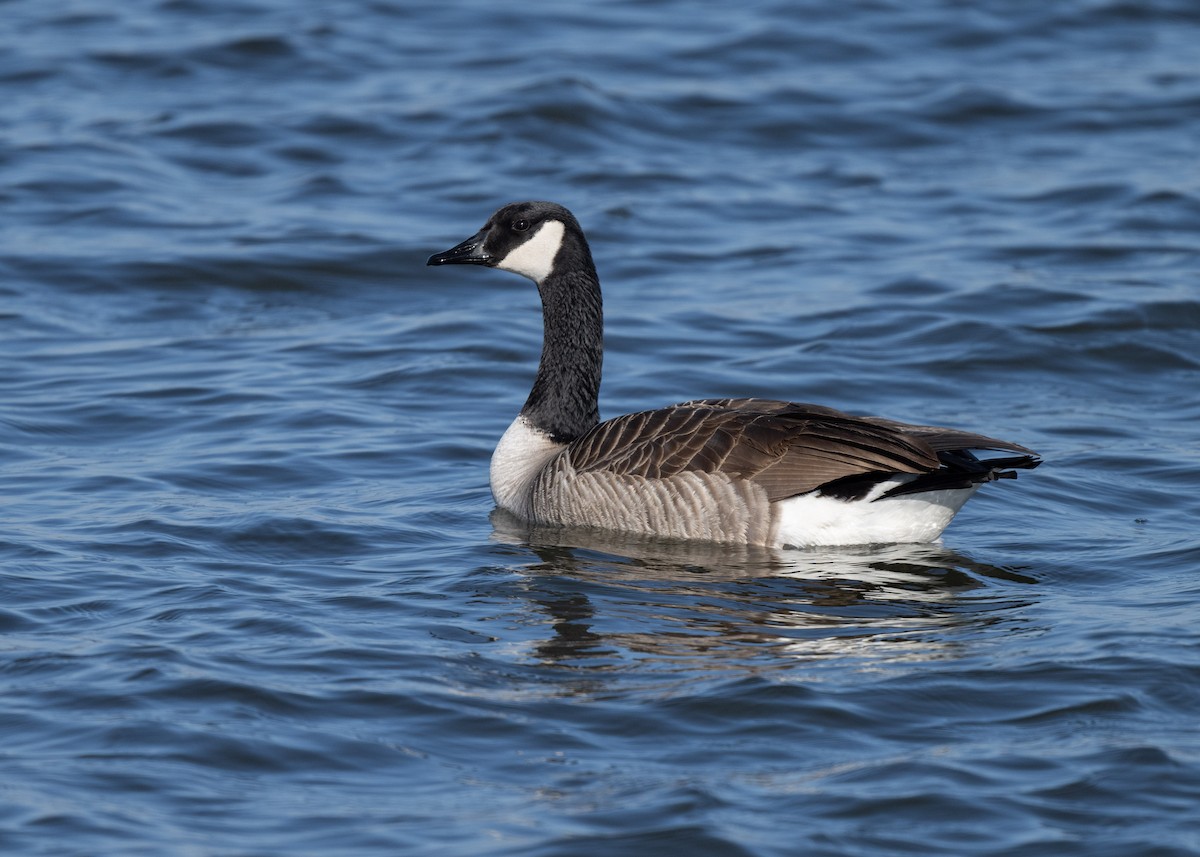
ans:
(253, 598)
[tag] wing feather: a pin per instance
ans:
(785, 447)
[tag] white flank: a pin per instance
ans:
(814, 520)
(519, 457)
(535, 258)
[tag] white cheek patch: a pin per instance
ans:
(535, 258)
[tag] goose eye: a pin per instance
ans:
(520, 225)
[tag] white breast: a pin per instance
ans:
(520, 455)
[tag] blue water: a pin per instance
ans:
(252, 598)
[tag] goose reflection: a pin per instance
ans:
(608, 596)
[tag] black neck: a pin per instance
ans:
(564, 401)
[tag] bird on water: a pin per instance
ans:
(746, 471)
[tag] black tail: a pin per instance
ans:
(962, 468)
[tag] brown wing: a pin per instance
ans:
(939, 438)
(785, 447)
(945, 439)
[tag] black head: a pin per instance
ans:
(523, 237)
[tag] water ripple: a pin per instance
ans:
(252, 596)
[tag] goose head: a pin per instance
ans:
(523, 237)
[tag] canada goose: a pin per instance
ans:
(751, 471)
